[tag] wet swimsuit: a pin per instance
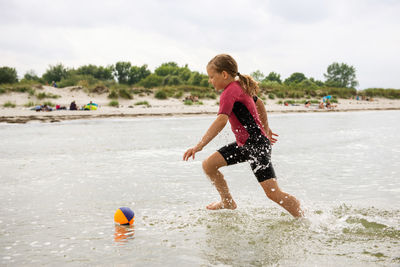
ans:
(251, 144)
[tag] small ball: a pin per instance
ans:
(124, 216)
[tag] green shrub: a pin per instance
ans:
(381, 92)
(172, 80)
(20, 88)
(113, 103)
(161, 94)
(193, 88)
(9, 104)
(99, 88)
(295, 94)
(16, 88)
(48, 103)
(188, 102)
(139, 91)
(151, 81)
(29, 104)
(341, 92)
(125, 93)
(170, 91)
(49, 95)
(268, 86)
(204, 94)
(144, 103)
(211, 95)
(306, 84)
(75, 79)
(280, 94)
(31, 92)
(178, 94)
(113, 94)
(204, 82)
(302, 101)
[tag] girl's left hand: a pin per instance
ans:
(270, 135)
(191, 152)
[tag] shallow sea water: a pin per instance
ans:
(61, 183)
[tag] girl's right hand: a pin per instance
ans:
(191, 152)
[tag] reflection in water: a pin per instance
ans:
(123, 233)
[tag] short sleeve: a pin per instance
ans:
(226, 102)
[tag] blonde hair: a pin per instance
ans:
(225, 62)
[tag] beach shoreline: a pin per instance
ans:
(23, 116)
(130, 108)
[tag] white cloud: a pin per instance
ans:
(282, 36)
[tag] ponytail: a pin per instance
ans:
(249, 85)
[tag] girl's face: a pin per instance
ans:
(218, 80)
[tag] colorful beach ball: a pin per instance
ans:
(125, 216)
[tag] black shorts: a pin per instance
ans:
(256, 151)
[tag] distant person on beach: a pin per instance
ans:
(44, 108)
(59, 107)
(329, 105)
(307, 104)
(54, 84)
(192, 98)
(247, 115)
(321, 105)
(73, 106)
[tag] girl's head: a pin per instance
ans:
(223, 69)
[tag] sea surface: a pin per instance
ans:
(61, 183)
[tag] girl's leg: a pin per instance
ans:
(288, 202)
(210, 167)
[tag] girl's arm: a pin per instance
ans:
(262, 112)
(212, 132)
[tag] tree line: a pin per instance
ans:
(340, 79)
(123, 72)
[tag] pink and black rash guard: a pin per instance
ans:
(242, 112)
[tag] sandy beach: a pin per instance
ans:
(168, 107)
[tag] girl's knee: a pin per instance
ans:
(207, 166)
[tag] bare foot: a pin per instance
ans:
(231, 205)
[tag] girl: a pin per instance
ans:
(248, 118)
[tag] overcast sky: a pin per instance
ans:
(284, 36)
